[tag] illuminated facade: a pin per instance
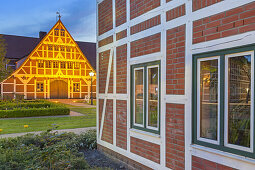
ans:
(56, 68)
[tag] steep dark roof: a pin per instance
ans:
(19, 47)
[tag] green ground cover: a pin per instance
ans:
(41, 124)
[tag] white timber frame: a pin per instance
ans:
(228, 159)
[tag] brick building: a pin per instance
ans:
(176, 83)
(52, 66)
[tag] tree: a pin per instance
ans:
(4, 71)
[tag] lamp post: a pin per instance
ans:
(91, 74)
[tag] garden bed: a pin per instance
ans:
(54, 151)
(11, 109)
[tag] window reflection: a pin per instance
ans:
(139, 88)
(239, 100)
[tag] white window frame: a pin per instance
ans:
(147, 101)
(198, 101)
(134, 107)
(250, 149)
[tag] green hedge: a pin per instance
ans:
(33, 112)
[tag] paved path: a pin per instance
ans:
(73, 102)
(76, 131)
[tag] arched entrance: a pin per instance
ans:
(58, 89)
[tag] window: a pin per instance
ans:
(223, 101)
(68, 49)
(55, 64)
(146, 96)
(50, 47)
(69, 65)
(40, 64)
(62, 48)
(63, 64)
(56, 47)
(62, 32)
(48, 64)
(56, 32)
(39, 87)
(76, 87)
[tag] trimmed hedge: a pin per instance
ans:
(33, 112)
(32, 109)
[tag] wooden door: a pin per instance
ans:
(58, 89)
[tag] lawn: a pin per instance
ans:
(41, 124)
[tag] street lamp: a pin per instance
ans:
(91, 74)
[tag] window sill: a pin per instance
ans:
(222, 157)
(147, 136)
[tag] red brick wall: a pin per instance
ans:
(145, 149)
(231, 22)
(175, 69)
(121, 124)
(203, 164)
(175, 12)
(105, 21)
(103, 65)
(175, 146)
(145, 25)
(105, 41)
(121, 70)
(107, 134)
(199, 4)
(147, 45)
(120, 12)
(121, 34)
(139, 7)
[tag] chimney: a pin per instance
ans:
(42, 34)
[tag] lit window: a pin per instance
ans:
(68, 49)
(50, 47)
(48, 64)
(55, 64)
(223, 103)
(56, 47)
(39, 87)
(69, 65)
(63, 64)
(76, 87)
(145, 97)
(40, 64)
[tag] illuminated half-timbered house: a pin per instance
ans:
(56, 68)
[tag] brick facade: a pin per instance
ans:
(105, 21)
(175, 69)
(107, 134)
(199, 4)
(139, 7)
(122, 34)
(105, 41)
(145, 25)
(145, 149)
(121, 124)
(175, 146)
(121, 70)
(147, 45)
(232, 22)
(175, 12)
(120, 10)
(203, 164)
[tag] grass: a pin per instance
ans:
(42, 124)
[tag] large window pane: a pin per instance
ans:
(153, 90)
(239, 100)
(139, 96)
(209, 99)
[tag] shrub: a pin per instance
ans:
(46, 151)
(32, 108)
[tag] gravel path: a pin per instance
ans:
(76, 131)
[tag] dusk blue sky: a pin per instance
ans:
(28, 17)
